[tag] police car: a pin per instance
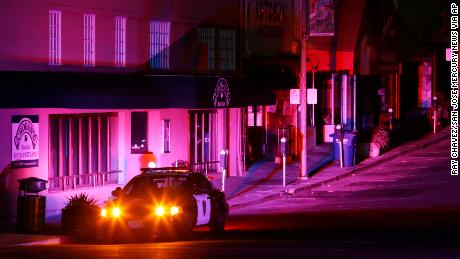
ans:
(163, 201)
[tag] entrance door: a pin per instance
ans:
(203, 140)
(255, 134)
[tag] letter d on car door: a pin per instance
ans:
(203, 208)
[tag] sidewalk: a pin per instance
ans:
(263, 181)
(7, 239)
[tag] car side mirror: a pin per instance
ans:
(117, 192)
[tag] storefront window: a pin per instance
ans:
(83, 150)
(166, 137)
(139, 132)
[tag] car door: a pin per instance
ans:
(202, 197)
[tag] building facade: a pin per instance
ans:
(94, 91)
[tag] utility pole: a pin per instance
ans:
(303, 87)
(303, 106)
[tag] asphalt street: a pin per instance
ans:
(405, 208)
(420, 179)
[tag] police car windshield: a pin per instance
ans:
(151, 184)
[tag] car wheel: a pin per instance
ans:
(217, 226)
(182, 229)
(185, 229)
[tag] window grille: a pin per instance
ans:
(120, 41)
(83, 151)
(207, 36)
(227, 49)
(89, 39)
(54, 37)
(159, 44)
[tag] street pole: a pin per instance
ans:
(303, 106)
(435, 110)
(354, 103)
(284, 170)
(313, 86)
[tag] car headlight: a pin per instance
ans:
(159, 211)
(104, 213)
(116, 212)
(174, 210)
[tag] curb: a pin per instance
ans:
(50, 241)
(348, 173)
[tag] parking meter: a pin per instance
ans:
(283, 152)
(435, 110)
(339, 136)
(283, 146)
(339, 132)
(224, 165)
(223, 159)
(390, 117)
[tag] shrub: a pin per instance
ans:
(381, 137)
(79, 214)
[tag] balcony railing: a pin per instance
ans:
(73, 182)
(206, 167)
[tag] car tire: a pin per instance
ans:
(183, 229)
(217, 226)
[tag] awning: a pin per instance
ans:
(118, 91)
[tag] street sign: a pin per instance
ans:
(312, 96)
(295, 96)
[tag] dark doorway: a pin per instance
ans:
(255, 134)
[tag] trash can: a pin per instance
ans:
(349, 148)
(31, 208)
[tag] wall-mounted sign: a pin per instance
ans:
(272, 11)
(388, 62)
(221, 95)
(24, 141)
(312, 96)
(321, 18)
(425, 75)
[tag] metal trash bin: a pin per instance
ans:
(349, 148)
(31, 208)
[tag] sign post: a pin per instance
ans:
(312, 99)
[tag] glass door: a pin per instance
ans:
(203, 140)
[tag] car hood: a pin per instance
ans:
(165, 197)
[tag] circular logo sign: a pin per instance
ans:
(221, 95)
